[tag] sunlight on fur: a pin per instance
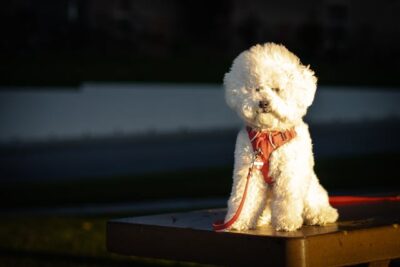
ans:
(271, 90)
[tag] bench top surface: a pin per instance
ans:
(364, 232)
(352, 217)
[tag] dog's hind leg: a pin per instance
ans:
(317, 210)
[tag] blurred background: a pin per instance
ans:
(115, 108)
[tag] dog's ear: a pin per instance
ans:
(231, 90)
(310, 84)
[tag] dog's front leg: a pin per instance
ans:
(256, 191)
(287, 198)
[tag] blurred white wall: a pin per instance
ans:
(96, 110)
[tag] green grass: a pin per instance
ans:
(62, 241)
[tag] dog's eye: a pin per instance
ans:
(258, 89)
(275, 89)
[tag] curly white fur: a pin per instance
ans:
(272, 74)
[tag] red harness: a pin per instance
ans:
(263, 143)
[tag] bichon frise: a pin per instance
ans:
(274, 180)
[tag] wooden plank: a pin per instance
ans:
(365, 233)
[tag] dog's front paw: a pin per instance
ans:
(288, 223)
(264, 220)
(243, 226)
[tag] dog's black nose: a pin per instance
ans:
(263, 104)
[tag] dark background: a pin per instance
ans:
(69, 41)
(50, 44)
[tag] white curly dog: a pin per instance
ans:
(271, 90)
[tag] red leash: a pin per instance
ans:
(348, 200)
(220, 225)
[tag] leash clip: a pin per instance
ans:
(256, 162)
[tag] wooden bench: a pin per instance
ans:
(367, 233)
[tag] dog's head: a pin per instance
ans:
(269, 87)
